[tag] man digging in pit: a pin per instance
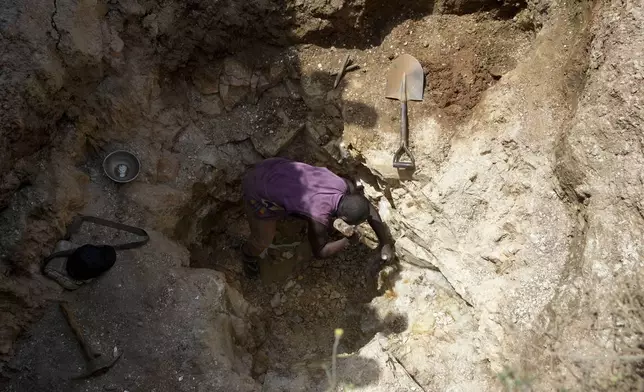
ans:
(278, 187)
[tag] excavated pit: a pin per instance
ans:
(266, 100)
(200, 91)
(302, 299)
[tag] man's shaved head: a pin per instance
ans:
(354, 209)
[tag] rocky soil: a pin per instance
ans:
(519, 236)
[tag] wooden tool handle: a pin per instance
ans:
(88, 350)
(404, 138)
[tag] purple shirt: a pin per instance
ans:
(295, 187)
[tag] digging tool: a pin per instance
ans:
(405, 82)
(340, 74)
(349, 68)
(97, 363)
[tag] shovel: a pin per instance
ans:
(405, 82)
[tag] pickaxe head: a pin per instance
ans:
(98, 366)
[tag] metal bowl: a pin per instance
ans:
(121, 166)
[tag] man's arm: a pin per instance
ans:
(384, 243)
(378, 227)
(318, 237)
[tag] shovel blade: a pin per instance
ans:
(405, 69)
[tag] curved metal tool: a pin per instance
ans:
(97, 363)
(405, 81)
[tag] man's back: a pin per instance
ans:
(299, 188)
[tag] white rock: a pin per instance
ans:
(275, 301)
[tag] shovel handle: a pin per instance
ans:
(404, 142)
(403, 124)
(404, 165)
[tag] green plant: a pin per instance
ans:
(513, 381)
(332, 375)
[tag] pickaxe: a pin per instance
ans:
(96, 363)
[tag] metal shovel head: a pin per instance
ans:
(405, 69)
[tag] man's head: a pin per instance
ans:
(353, 209)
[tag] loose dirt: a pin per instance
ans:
(303, 300)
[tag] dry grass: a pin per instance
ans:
(617, 364)
(621, 368)
(626, 367)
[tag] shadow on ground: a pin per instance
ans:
(302, 299)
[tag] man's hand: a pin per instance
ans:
(387, 252)
(355, 238)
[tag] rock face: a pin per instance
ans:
(600, 163)
(510, 205)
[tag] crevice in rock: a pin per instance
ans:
(53, 25)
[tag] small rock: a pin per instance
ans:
(235, 73)
(210, 105)
(206, 78)
(151, 24)
(260, 365)
(317, 263)
(293, 89)
(409, 209)
(278, 91)
(167, 167)
(426, 44)
(132, 8)
(279, 311)
(288, 285)
(332, 111)
(496, 72)
(343, 227)
(270, 144)
(116, 44)
(275, 301)
(391, 56)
